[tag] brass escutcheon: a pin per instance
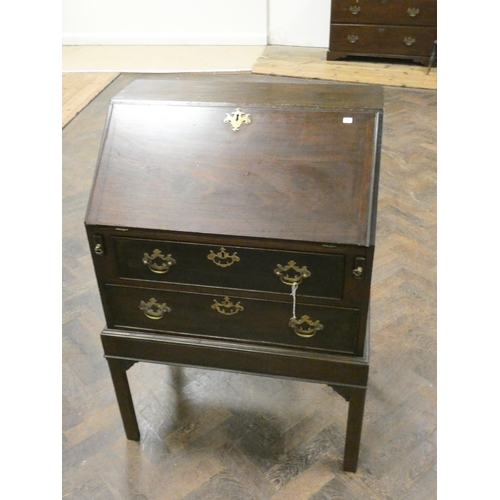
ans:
(153, 310)
(409, 40)
(226, 307)
(222, 258)
(149, 260)
(314, 326)
(300, 273)
(237, 118)
(352, 38)
(413, 11)
(355, 9)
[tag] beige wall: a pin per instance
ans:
(195, 22)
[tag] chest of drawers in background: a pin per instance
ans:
(402, 29)
(232, 226)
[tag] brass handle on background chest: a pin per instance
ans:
(222, 258)
(409, 40)
(413, 11)
(159, 268)
(352, 38)
(154, 310)
(309, 331)
(289, 279)
(227, 307)
(354, 9)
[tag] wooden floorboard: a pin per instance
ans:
(210, 435)
(311, 63)
(78, 89)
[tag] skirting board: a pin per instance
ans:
(160, 59)
(164, 39)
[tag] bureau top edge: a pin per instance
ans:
(276, 241)
(320, 94)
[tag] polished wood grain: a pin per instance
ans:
(213, 434)
(252, 92)
(310, 178)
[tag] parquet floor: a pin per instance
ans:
(210, 435)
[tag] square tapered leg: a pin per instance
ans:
(118, 369)
(354, 426)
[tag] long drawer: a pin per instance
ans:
(372, 39)
(232, 317)
(318, 275)
(400, 12)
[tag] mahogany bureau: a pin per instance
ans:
(232, 227)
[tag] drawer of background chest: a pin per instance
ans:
(404, 41)
(401, 12)
(232, 317)
(318, 275)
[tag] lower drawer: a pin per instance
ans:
(235, 318)
(382, 40)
